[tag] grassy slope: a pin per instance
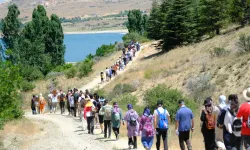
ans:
(229, 73)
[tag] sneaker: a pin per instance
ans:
(105, 136)
(130, 146)
(102, 132)
(117, 137)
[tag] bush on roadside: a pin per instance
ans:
(27, 86)
(105, 49)
(218, 52)
(244, 43)
(31, 73)
(134, 36)
(200, 87)
(170, 98)
(85, 68)
(62, 68)
(125, 99)
(71, 73)
(120, 89)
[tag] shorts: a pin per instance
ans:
(101, 119)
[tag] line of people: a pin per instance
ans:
(122, 61)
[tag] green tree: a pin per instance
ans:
(10, 100)
(54, 41)
(240, 11)
(135, 21)
(214, 14)
(11, 30)
(179, 24)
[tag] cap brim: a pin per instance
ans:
(245, 95)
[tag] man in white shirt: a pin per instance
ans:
(161, 131)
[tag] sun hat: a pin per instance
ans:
(246, 94)
(87, 99)
(207, 102)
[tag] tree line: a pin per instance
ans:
(178, 22)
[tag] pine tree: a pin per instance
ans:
(11, 30)
(214, 14)
(135, 21)
(178, 25)
(54, 41)
(240, 11)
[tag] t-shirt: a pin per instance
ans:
(54, 99)
(244, 112)
(184, 116)
(161, 110)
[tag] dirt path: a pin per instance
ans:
(96, 82)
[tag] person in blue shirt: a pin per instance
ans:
(184, 124)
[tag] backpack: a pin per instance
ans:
(148, 126)
(162, 120)
(107, 112)
(132, 120)
(210, 123)
(248, 122)
(117, 115)
(61, 96)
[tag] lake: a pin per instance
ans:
(78, 46)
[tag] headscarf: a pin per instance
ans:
(130, 106)
(146, 112)
(116, 108)
(222, 100)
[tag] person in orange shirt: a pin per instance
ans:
(42, 103)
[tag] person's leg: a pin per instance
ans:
(186, 138)
(88, 124)
(144, 141)
(92, 124)
(130, 141)
(181, 140)
(60, 106)
(165, 139)
(109, 128)
(246, 141)
(135, 141)
(150, 142)
(105, 128)
(158, 139)
(115, 131)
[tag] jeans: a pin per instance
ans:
(147, 142)
(62, 106)
(246, 141)
(107, 126)
(235, 143)
(90, 124)
(164, 134)
(184, 136)
(54, 105)
(133, 141)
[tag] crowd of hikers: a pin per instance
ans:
(225, 126)
(122, 61)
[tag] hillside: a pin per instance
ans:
(82, 9)
(192, 68)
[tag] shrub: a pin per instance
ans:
(101, 93)
(244, 42)
(27, 86)
(62, 68)
(200, 87)
(148, 74)
(120, 89)
(105, 49)
(125, 99)
(134, 36)
(119, 46)
(31, 73)
(70, 73)
(170, 98)
(85, 68)
(218, 52)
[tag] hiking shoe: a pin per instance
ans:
(130, 146)
(105, 136)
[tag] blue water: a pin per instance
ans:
(78, 46)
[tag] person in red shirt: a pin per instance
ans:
(244, 113)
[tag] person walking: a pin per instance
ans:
(62, 101)
(42, 103)
(208, 119)
(76, 96)
(233, 125)
(107, 109)
(184, 123)
(33, 105)
(116, 119)
(244, 113)
(54, 98)
(161, 122)
(101, 113)
(147, 129)
(50, 101)
(132, 119)
(89, 110)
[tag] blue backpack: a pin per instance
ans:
(162, 120)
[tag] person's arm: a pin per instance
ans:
(203, 116)
(155, 119)
(227, 122)
(192, 121)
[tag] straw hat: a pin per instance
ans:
(246, 94)
(87, 99)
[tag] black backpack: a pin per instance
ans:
(237, 125)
